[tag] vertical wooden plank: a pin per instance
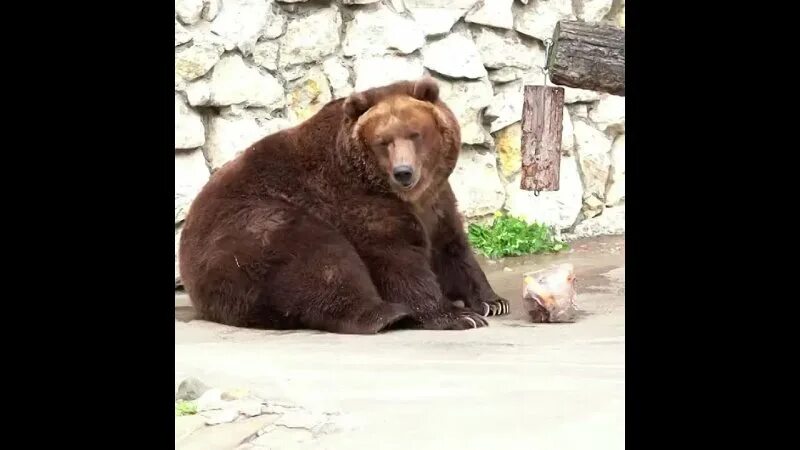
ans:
(541, 137)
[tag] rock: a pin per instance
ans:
(579, 110)
(593, 10)
(611, 222)
(467, 99)
(438, 16)
(358, 2)
(307, 96)
(377, 71)
(499, 49)
(378, 31)
(609, 114)
(338, 77)
(223, 416)
(275, 26)
(235, 82)
(195, 61)
(189, 129)
(292, 1)
(180, 83)
(504, 75)
(507, 144)
(494, 13)
(300, 438)
(310, 38)
(455, 56)
(435, 21)
(567, 133)
(476, 184)
(236, 394)
(178, 281)
(293, 73)
(273, 20)
(228, 435)
(211, 9)
(233, 131)
(182, 35)
(302, 419)
(301, 429)
(558, 209)
(573, 95)
(539, 18)
(592, 206)
(617, 14)
(505, 107)
(211, 400)
(241, 22)
(265, 55)
(191, 389)
(593, 155)
(397, 5)
(615, 194)
(250, 408)
(191, 174)
(535, 77)
(273, 408)
(188, 11)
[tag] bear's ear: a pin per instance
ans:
(426, 90)
(356, 105)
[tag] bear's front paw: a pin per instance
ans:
(460, 320)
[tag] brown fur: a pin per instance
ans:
(307, 229)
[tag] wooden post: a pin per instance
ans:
(542, 111)
(588, 56)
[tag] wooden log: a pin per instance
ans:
(542, 110)
(588, 56)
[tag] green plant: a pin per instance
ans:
(185, 408)
(511, 236)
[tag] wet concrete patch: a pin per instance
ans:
(597, 263)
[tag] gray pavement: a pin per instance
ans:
(512, 385)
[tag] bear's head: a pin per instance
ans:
(406, 134)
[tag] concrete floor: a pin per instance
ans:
(512, 385)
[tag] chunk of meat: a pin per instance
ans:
(549, 294)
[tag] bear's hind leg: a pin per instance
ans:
(321, 284)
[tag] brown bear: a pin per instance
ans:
(345, 223)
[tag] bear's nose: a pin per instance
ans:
(403, 174)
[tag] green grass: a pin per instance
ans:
(511, 236)
(185, 408)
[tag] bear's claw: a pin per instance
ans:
(474, 324)
(459, 320)
(469, 320)
(496, 308)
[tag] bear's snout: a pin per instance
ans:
(403, 174)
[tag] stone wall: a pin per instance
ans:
(246, 68)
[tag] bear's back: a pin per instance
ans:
(291, 165)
